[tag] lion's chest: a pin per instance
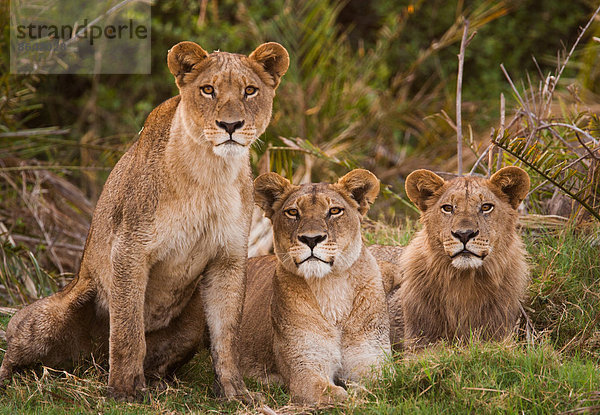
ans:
(334, 296)
(188, 238)
(471, 305)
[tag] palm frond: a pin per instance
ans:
(553, 166)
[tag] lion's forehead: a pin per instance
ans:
(224, 77)
(224, 68)
(468, 193)
(227, 61)
(314, 197)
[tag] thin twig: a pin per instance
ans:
(591, 152)
(495, 149)
(564, 64)
(61, 245)
(483, 389)
(449, 120)
(35, 132)
(564, 168)
(266, 410)
(461, 61)
(79, 34)
(538, 69)
(8, 311)
(574, 128)
(545, 126)
(552, 180)
(521, 101)
(529, 329)
(202, 14)
(480, 159)
(502, 121)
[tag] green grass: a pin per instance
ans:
(488, 378)
(565, 290)
(558, 371)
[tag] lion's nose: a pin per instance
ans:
(230, 127)
(465, 236)
(312, 241)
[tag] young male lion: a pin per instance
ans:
(316, 312)
(465, 272)
(169, 234)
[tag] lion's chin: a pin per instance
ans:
(230, 150)
(314, 269)
(467, 262)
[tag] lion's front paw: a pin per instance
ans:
(126, 388)
(320, 392)
(5, 373)
(333, 394)
(237, 391)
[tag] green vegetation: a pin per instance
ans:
(565, 291)
(481, 378)
(556, 370)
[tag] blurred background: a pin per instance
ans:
(371, 84)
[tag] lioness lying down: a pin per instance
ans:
(167, 248)
(315, 314)
(465, 272)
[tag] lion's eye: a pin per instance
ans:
(487, 207)
(447, 208)
(250, 91)
(208, 90)
(291, 213)
(334, 211)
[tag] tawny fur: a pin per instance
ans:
(166, 251)
(440, 297)
(388, 260)
(309, 328)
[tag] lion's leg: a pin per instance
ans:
(311, 387)
(223, 297)
(54, 331)
(127, 342)
(366, 334)
(423, 325)
(311, 370)
(308, 356)
(171, 347)
(396, 319)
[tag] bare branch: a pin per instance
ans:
(574, 128)
(35, 132)
(79, 34)
(461, 61)
(480, 159)
(521, 101)
(564, 63)
(502, 122)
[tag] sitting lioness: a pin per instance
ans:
(315, 314)
(166, 251)
(465, 272)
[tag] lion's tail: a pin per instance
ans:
(52, 330)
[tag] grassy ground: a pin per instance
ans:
(556, 370)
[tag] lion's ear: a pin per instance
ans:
(268, 189)
(273, 58)
(513, 182)
(421, 185)
(363, 187)
(181, 60)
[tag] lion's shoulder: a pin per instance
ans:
(388, 260)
